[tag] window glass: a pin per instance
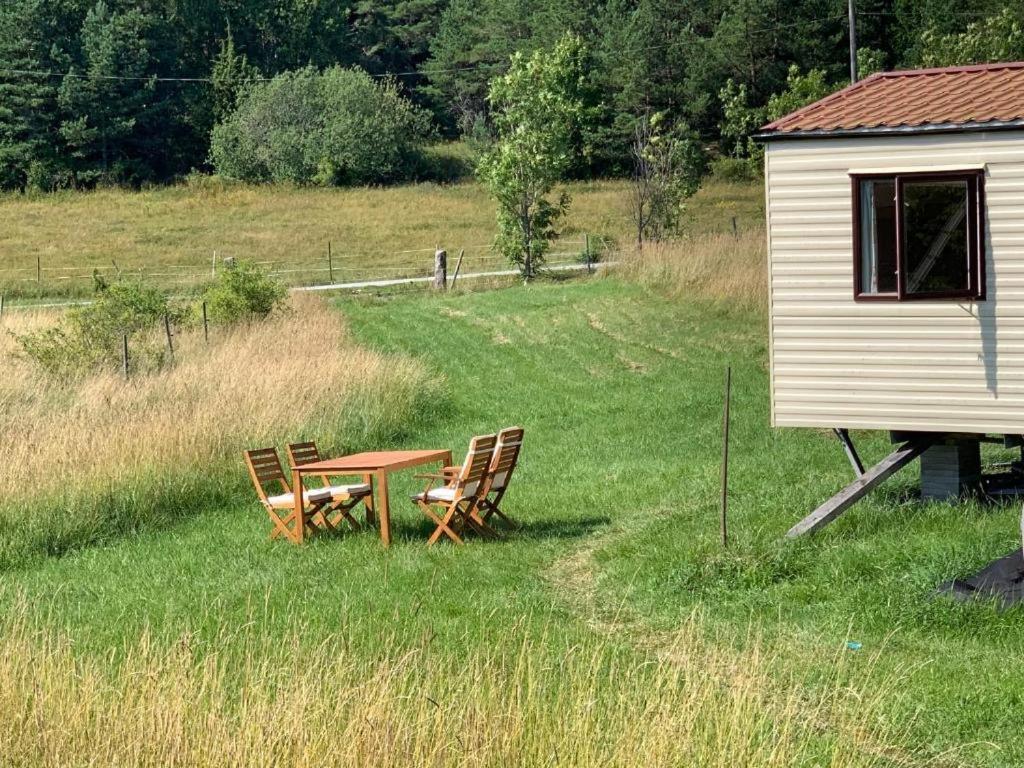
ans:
(935, 236)
(878, 237)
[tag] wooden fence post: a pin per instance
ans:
(213, 268)
(1, 306)
(440, 269)
(330, 263)
(39, 269)
(590, 264)
(167, 330)
(458, 266)
(725, 457)
(206, 325)
(124, 355)
(735, 229)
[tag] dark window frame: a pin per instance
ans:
(975, 235)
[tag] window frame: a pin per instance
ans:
(975, 179)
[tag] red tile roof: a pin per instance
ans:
(980, 96)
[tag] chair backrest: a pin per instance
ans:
(305, 453)
(474, 467)
(265, 467)
(506, 456)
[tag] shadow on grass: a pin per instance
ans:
(541, 530)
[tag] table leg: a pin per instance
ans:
(300, 524)
(385, 513)
(371, 518)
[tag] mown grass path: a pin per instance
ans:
(620, 393)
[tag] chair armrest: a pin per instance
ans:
(431, 476)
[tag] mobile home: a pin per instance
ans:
(895, 216)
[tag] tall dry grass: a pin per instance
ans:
(721, 267)
(91, 458)
(520, 703)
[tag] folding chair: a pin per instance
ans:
(458, 499)
(503, 464)
(344, 496)
(265, 469)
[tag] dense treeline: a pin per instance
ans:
(130, 91)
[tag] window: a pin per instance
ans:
(918, 236)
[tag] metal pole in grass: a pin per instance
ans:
(167, 330)
(590, 266)
(330, 262)
(458, 266)
(725, 457)
(124, 355)
(39, 269)
(206, 325)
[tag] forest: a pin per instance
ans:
(133, 92)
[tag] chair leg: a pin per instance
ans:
(443, 524)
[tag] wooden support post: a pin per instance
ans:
(124, 355)
(206, 325)
(1, 306)
(458, 266)
(167, 331)
(440, 269)
(330, 263)
(590, 261)
(859, 488)
(851, 450)
(725, 458)
(39, 269)
(735, 228)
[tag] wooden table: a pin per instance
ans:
(373, 466)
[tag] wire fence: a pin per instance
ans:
(333, 266)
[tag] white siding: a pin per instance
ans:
(922, 365)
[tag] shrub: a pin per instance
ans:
(734, 169)
(243, 293)
(90, 337)
(335, 127)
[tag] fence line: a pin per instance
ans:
(183, 274)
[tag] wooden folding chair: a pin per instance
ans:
(265, 470)
(457, 500)
(503, 464)
(345, 496)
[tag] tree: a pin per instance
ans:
(232, 74)
(999, 37)
(535, 112)
(112, 102)
(340, 126)
(668, 163)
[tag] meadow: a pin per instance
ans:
(169, 235)
(148, 620)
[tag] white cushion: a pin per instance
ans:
(319, 494)
(353, 489)
(443, 493)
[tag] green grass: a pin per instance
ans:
(169, 235)
(620, 393)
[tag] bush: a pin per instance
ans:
(90, 337)
(335, 127)
(243, 293)
(735, 169)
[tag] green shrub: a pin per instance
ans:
(335, 127)
(89, 338)
(735, 169)
(242, 293)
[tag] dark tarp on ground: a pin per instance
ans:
(1002, 580)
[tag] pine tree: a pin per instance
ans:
(231, 75)
(27, 101)
(112, 105)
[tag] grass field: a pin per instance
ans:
(619, 390)
(146, 619)
(169, 235)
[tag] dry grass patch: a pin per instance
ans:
(522, 702)
(103, 454)
(720, 267)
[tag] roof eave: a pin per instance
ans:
(901, 130)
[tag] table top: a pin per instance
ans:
(373, 461)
